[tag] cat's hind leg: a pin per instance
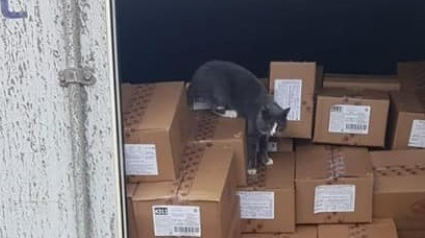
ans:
(253, 149)
(263, 151)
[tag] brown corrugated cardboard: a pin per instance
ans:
(302, 142)
(411, 75)
(333, 185)
(281, 144)
(268, 203)
(380, 228)
(155, 130)
(386, 83)
(209, 128)
(293, 85)
(351, 118)
(407, 121)
(400, 187)
(205, 194)
(131, 223)
(301, 232)
(411, 233)
(235, 228)
(127, 91)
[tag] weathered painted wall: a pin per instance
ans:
(36, 188)
(99, 129)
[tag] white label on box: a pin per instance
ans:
(349, 119)
(287, 93)
(256, 205)
(272, 146)
(200, 104)
(177, 221)
(417, 134)
(140, 159)
(334, 198)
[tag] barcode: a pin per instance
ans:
(186, 230)
(336, 109)
(356, 127)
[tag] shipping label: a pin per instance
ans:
(334, 198)
(256, 204)
(140, 159)
(288, 93)
(177, 221)
(417, 134)
(349, 119)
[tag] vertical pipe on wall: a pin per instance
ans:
(77, 102)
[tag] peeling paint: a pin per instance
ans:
(37, 198)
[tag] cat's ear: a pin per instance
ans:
(285, 112)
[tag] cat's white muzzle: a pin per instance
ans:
(273, 130)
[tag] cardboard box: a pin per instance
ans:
(235, 228)
(156, 127)
(411, 233)
(400, 187)
(268, 203)
(302, 142)
(385, 83)
(280, 144)
(293, 85)
(351, 118)
(333, 185)
(411, 75)
(131, 222)
(380, 228)
(202, 202)
(407, 121)
(301, 232)
(127, 91)
(209, 128)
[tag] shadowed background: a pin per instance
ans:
(163, 40)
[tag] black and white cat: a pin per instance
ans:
(230, 90)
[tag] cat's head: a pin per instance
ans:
(273, 118)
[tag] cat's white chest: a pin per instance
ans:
(274, 129)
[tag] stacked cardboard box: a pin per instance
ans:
(400, 187)
(349, 163)
(333, 185)
(293, 85)
(156, 128)
(365, 112)
(182, 168)
(209, 128)
(359, 82)
(268, 202)
(379, 228)
(346, 117)
(202, 202)
(407, 121)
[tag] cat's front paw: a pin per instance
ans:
(269, 161)
(231, 114)
(252, 172)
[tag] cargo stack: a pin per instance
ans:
(351, 162)
(181, 179)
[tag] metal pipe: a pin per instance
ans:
(77, 102)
